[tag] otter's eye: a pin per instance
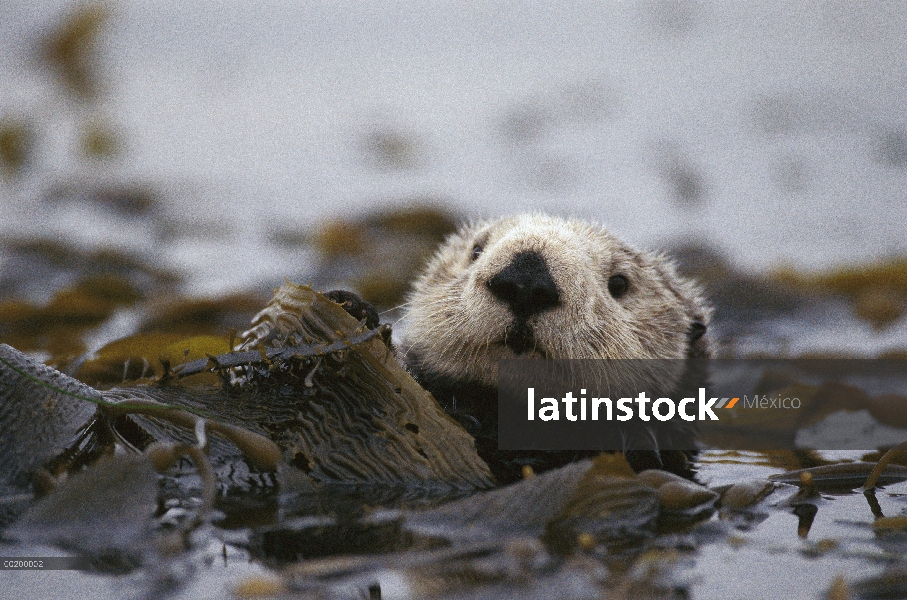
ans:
(476, 251)
(618, 286)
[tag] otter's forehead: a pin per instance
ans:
(547, 235)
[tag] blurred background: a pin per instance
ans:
(164, 165)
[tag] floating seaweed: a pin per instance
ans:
(334, 398)
(41, 410)
(54, 424)
(745, 494)
(54, 296)
(526, 539)
(844, 476)
(104, 512)
(312, 399)
(881, 472)
(17, 139)
(877, 292)
(70, 49)
(379, 254)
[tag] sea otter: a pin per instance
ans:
(538, 286)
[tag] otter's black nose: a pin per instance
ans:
(525, 285)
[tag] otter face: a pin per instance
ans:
(540, 286)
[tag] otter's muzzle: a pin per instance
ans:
(525, 285)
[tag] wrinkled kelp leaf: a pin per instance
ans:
(585, 505)
(41, 413)
(354, 416)
(524, 507)
(609, 504)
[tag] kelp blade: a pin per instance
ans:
(41, 413)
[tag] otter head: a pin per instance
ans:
(539, 286)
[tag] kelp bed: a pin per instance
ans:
(308, 464)
(371, 499)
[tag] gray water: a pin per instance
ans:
(775, 131)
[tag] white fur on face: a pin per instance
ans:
(456, 327)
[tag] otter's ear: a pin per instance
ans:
(697, 330)
(697, 309)
(700, 345)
